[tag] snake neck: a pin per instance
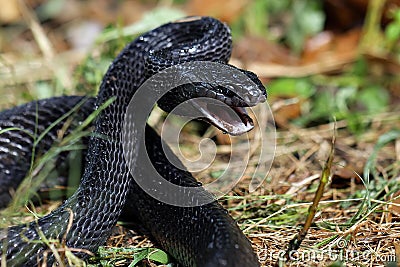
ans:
(85, 220)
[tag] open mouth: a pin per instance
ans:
(231, 120)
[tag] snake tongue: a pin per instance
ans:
(231, 120)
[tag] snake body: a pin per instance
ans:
(196, 236)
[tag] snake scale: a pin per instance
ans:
(195, 236)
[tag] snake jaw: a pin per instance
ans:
(232, 120)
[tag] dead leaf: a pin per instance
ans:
(251, 49)
(9, 11)
(225, 10)
(286, 112)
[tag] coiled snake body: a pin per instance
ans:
(196, 236)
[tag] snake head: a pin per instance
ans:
(221, 103)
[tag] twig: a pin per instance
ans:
(295, 243)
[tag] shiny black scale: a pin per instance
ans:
(196, 236)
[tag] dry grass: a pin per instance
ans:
(363, 234)
(344, 228)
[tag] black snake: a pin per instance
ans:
(196, 236)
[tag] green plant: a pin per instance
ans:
(297, 20)
(112, 256)
(392, 32)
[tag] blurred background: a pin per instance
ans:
(350, 48)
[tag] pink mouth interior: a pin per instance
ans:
(231, 120)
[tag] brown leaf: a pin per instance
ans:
(9, 11)
(327, 46)
(225, 10)
(287, 112)
(324, 53)
(250, 49)
(342, 177)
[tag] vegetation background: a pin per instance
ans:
(322, 61)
